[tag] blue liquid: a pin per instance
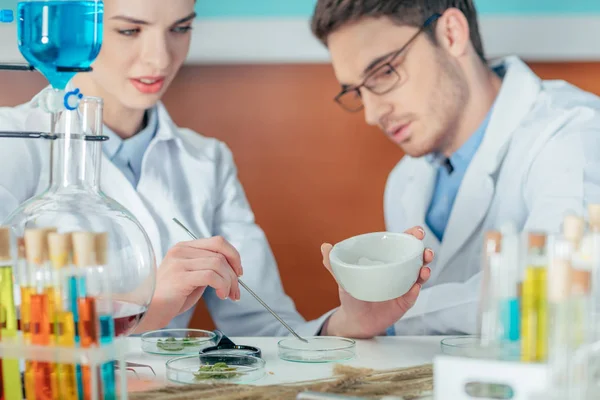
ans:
(511, 319)
(76, 288)
(107, 333)
(60, 34)
(79, 377)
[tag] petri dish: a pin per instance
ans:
(177, 341)
(212, 368)
(321, 349)
(462, 346)
(471, 347)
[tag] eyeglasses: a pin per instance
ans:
(381, 80)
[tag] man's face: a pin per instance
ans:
(427, 88)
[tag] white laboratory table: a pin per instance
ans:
(380, 354)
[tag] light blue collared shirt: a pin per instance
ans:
(127, 155)
(448, 183)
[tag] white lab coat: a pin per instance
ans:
(539, 159)
(184, 175)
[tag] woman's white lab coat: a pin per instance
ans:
(539, 159)
(184, 175)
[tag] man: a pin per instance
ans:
(485, 144)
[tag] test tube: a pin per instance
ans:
(509, 301)
(84, 248)
(41, 375)
(26, 289)
(559, 289)
(76, 282)
(594, 238)
(4, 301)
(59, 247)
(23, 282)
(9, 368)
(23, 292)
(105, 312)
(534, 303)
(1, 375)
(489, 314)
(581, 276)
(573, 230)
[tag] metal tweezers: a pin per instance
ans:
(131, 365)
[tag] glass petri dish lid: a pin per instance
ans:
(462, 346)
(474, 347)
(177, 341)
(321, 349)
(212, 368)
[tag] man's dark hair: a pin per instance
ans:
(330, 15)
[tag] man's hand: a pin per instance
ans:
(364, 320)
(185, 273)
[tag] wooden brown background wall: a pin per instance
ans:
(311, 172)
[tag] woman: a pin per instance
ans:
(159, 171)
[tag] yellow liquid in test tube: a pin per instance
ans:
(534, 312)
(11, 374)
(64, 324)
(534, 324)
(26, 293)
(51, 294)
(67, 377)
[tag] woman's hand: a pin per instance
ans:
(185, 273)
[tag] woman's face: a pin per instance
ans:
(145, 43)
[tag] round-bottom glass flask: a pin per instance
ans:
(74, 203)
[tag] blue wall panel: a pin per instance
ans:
(303, 8)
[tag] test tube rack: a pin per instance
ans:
(459, 377)
(558, 342)
(462, 378)
(61, 359)
(94, 357)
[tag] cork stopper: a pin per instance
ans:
(21, 248)
(59, 249)
(594, 217)
(537, 240)
(581, 281)
(36, 245)
(101, 248)
(84, 249)
(573, 229)
(4, 243)
(559, 280)
(493, 242)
